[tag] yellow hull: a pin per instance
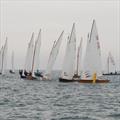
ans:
(91, 81)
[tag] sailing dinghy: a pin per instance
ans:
(28, 61)
(35, 57)
(32, 58)
(69, 59)
(111, 66)
(92, 62)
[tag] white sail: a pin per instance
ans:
(12, 62)
(1, 61)
(86, 59)
(36, 53)
(26, 60)
(4, 57)
(29, 54)
(93, 54)
(110, 63)
(53, 55)
(69, 59)
(79, 58)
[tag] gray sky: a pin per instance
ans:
(20, 18)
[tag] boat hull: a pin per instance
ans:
(66, 80)
(12, 72)
(111, 74)
(83, 80)
(28, 77)
(23, 77)
(91, 81)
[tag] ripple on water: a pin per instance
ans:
(51, 100)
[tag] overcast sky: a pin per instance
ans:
(20, 18)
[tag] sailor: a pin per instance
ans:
(25, 73)
(30, 74)
(41, 74)
(20, 72)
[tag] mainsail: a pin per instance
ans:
(4, 57)
(79, 59)
(53, 55)
(29, 54)
(69, 59)
(92, 62)
(12, 62)
(36, 52)
(1, 60)
(110, 63)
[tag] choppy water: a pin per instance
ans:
(51, 100)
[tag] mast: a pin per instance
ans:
(78, 56)
(3, 55)
(33, 57)
(92, 30)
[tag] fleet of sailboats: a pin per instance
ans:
(92, 63)
(72, 70)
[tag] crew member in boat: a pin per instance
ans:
(41, 74)
(25, 73)
(76, 75)
(38, 73)
(20, 72)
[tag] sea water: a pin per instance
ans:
(51, 100)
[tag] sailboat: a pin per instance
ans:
(92, 71)
(52, 58)
(12, 64)
(34, 51)
(28, 60)
(3, 58)
(111, 64)
(69, 59)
